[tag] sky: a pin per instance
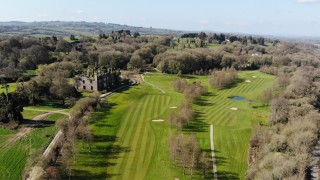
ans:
(262, 17)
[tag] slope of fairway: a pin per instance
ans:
(14, 155)
(232, 128)
(128, 144)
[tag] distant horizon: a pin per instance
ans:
(290, 18)
(182, 30)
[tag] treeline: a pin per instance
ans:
(75, 129)
(185, 152)
(224, 78)
(190, 92)
(18, 54)
(284, 149)
(222, 38)
(121, 50)
(11, 107)
(202, 60)
(51, 82)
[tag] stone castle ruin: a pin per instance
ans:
(97, 79)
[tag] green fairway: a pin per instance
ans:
(128, 145)
(232, 129)
(14, 155)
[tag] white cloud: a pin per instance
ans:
(307, 1)
(79, 11)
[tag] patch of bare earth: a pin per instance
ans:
(25, 130)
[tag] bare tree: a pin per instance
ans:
(279, 111)
(204, 164)
(222, 79)
(175, 143)
(194, 153)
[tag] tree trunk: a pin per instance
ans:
(7, 93)
(89, 144)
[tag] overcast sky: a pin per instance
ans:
(268, 17)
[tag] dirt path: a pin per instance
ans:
(35, 171)
(215, 174)
(142, 77)
(25, 130)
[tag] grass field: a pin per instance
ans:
(12, 87)
(128, 145)
(213, 46)
(14, 155)
(232, 129)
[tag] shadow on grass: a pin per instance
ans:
(102, 155)
(83, 174)
(209, 94)
(260, 106)
(37, 124)
(222, 161)
(235, 83)
(187, 76)
(55, 103)
(204, 102)
(197, 124)
(226, 175)
(104, 148)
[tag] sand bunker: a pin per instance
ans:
(234, 109)
(248, 81)
(157, 120)
(173, 107)
(254, 76)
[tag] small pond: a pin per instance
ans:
(237, 98)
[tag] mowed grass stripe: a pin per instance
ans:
(147, 147)
(230, 120)
(124, 135)
(132, 137)
(233, 128)
(141, 158)
(218, 111)
(251, 86)
(136, 142)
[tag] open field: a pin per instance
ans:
(232, 129)
(14, 155)
(128, 144)
(213, 46)
(12, 87)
